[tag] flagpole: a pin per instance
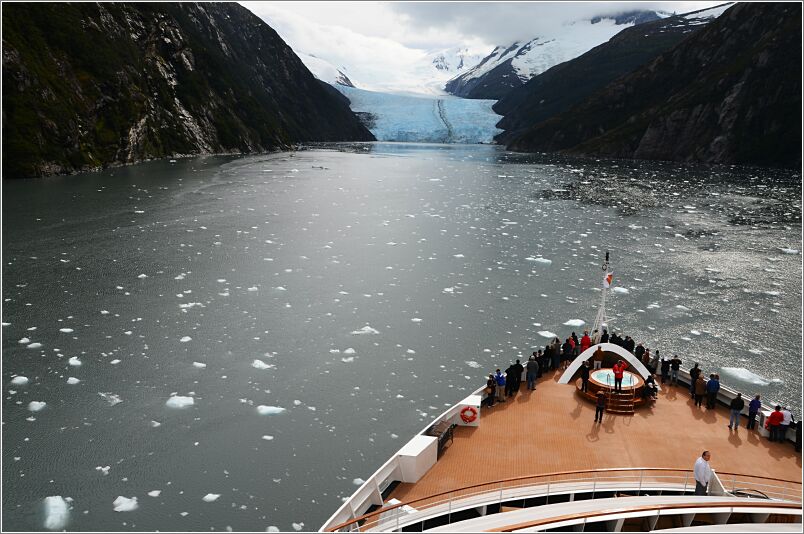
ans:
(600, 319)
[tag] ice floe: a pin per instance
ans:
(539, 260)
(365, 330)
(178, 401)
(34, 346)
(745, 375)
(72, 380)
(20, 380)
(57, 512)
(547, 334)
(621, 290)
(211, 497)
(575, 322)
(24, 341)
(789, 250)
(74, 361)
(473, 364)
(111, 398)
(154, 493)
(199, 365)
(270, 410)
(259, 364)
(125, 504)
(66, 330)
(36, 406)
(185, 339)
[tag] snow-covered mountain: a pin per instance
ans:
(512, 65)
(325, 71)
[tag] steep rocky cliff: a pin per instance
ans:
(87, 85)
(731, 93)
(568, 83)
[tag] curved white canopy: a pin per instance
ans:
(633, 362)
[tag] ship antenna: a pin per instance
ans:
(600, 319)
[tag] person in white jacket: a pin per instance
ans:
(703, 473)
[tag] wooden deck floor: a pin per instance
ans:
(552, 429)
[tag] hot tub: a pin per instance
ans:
(605, 377)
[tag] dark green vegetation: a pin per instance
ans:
(730, 93)
(87, 85)
(566, 84)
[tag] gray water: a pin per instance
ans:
(376, 284)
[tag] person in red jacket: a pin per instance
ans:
(618, 369)
(774, 424)
(585, 341)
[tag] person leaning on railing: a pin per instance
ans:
(774, 423)
(753, 409)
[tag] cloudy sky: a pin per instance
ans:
(384, 43)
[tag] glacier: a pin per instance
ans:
(424, 118)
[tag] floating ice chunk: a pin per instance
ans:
(154, 493)
(155, 424)
(680, 307)
(575, 322)
(297, 526)
(259, 364)
(24, 341)
(621, 290)
(695, 332)
(547, 334)
(177, 401)
(744, 375)
(104, 470)
(143, 276)
(457, 255)
(539, 260)
(125, 504)
(756, 351)
(74, 361)
(772, 293)
(268, 438)
(66, 330)
(111, 398)
(34, 346)
(269, 410)
(280, 288)
(252, 288)
(114, 362)
(20, 380)
(416, 320)
(185, 339)
(211, 497)
(349, 359)
(473, 364)
(350, 350)
(199, 365)
(365, 330)
(789, 250)
(36, 406)
(358, 482)
(56, 512)
(272, 528)
(448, 290)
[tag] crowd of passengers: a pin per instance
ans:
(557, 356)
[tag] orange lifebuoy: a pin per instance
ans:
(468, 414)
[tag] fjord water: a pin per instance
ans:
(376, 284)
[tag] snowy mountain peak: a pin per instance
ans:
(453, 60)
(326, 71)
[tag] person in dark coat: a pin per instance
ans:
(600, 405)
(510, 373)
(639, 351)
(567, 350)
(605, 337)
(712, 387)
(695, 372)
(649, 391)
(736, 408)
(585, 376)
(518, 370)
(491, 387)
(532, 371)
(753, 410)
(700, 390)
(665, 366)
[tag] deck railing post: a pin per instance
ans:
(501, 491)
(733, 483)
(686, 477)
(398, 513)
(449, 509)
(547, 499)
(639, 492)
(594, 484)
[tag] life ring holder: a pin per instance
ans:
(469, 414)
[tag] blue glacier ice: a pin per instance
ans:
(425, 118)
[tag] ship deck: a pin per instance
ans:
(552, 429)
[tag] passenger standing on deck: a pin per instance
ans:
(654, 361)
(787, 419)
(491, 388)
(605, 337)
(675, 365)
(518, 370)
(736, 407)
(600, 406)
(700, 390)
(532, 371)
(695, 372)
(753, 410)
(665, 370)
(712, 387)
(703, 473)
(556, 353)
(567, 349)
(500, 379)
(585, 376)
(510, 381)
(774, 422)
(586, 342)
(576, 345)
(618, 369)
(639, 351)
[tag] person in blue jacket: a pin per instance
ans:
(500, 378)
(712, 387)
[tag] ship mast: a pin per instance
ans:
(600, 320)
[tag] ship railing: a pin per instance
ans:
(549, 488)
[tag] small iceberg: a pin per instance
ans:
(259, 364)
(56, 512)
(575, 322)
(269, 410)
(185, 339)
(36, 406)
(125, 504)
(744, 375)
(545, 261)
(19, 380)
(365, 330)
(177, 401)
(621, 290)
(548, 334)
(210, 497)
(789, 250)
(74, 361)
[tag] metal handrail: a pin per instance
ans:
(506, 483)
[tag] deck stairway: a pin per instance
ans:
(621, 403)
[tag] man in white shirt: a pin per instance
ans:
(703, 473)
(787, 419)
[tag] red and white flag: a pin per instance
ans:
(607, 280)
